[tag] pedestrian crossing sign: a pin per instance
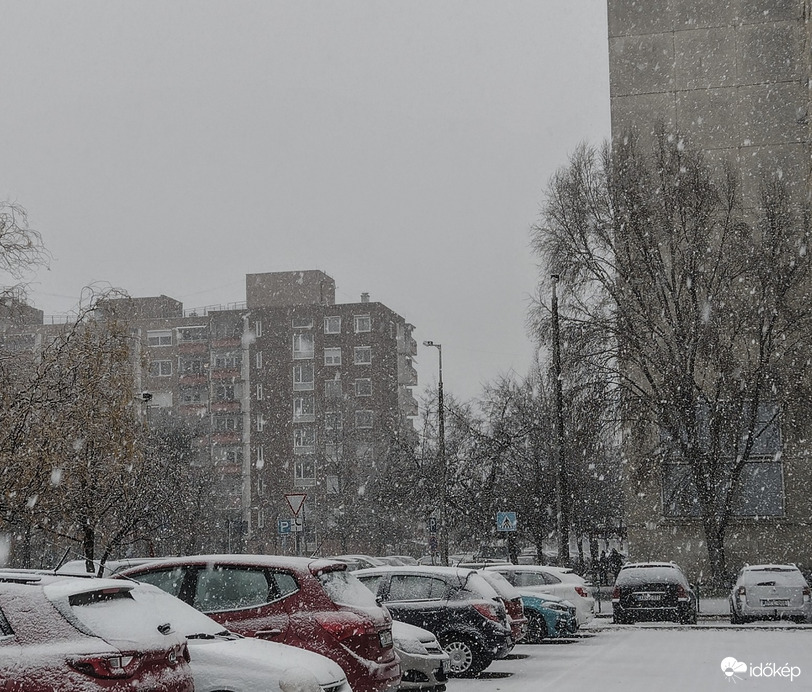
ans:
(506, 521)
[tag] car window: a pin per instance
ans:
(371, 581)
(550, 578)
(774, 576)
(413, 587)
(344, 588)
(285, 583)
(530, 579)
(230, 588)
(169, 580)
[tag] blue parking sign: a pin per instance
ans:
(284, 526)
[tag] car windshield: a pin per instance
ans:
(345, 589)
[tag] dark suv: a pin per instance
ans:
(313, 604)
(457, 605)
(653, 591)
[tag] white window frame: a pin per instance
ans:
(164, 368)
(258, 360)
(301, 322)
(259, 460)
(303, 339)
(362, 417)
(161, 338)
(332, 324)
(260, 392)
(258, 328)
(357, 352)
(365, 383)
(362, 323)
(333, 420)
(333, 383)
(332, 355)
(299, 383)
(260, 423)
(304, 440)
(300, 414)
(304, 470)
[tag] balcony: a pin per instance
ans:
(407, 403)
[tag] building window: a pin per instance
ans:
(363, 453)
(304, 440)
(191, 334)
(193, 395)
(192, 366)
(260, 392)
(363, 419)
(227, 423)
(229, 455)
(332, 325)
(258, 360)
(259, 462)
(362, 355)
(160, 368)
(260, 485)
(226, 330)
(302, 346)
(305, 471)
(363, 323)
(332, 356)
(227, 361)
(332, 420)
(258, 328)
(333, 452)
(159, 337)
(363, 387)
(303, 377)
(332, 389)
(303, 408)
(260, 519)
(225, 392)
(302, 323)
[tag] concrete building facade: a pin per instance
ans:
(734, 77)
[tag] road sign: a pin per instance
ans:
(506, 521)
(295, 502)
(432, 525)
(298, 525)
(284, 526)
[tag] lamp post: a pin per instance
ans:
(562, 506)
(443, 466)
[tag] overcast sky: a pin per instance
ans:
(401, 147)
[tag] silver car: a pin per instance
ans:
(423, 663)
(770, 592)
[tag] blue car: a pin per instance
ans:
(547, 616)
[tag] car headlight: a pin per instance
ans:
(298, 680)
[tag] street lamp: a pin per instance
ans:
(562, 504)
(443, 467)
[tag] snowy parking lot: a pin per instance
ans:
(661, 657)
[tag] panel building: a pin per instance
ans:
(734, 77)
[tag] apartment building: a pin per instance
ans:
(734, 77)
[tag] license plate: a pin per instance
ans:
(647, 596)
(447, 665)
(386, 638)
(775, 602)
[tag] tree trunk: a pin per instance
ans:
(715, 538)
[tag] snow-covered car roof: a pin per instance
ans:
(300, 564)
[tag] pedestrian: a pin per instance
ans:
(615, 563)
(603, 569)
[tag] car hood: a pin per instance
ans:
(403, 630)
(220, 663)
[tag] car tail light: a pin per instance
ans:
(807, 594)
(616, 593)
(581, 591)
(488, 611)
(122, 665)
(682, 594)
(741, 592)
(343, 625)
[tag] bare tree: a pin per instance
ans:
(693, 308)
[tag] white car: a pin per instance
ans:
(423, 662)
(559, 581)
(222, 661)
(770, 592)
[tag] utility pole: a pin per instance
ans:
(562, 504)
(443, 465)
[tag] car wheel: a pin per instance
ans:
(466, 658)
(536, 628)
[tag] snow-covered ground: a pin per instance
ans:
(659, 657)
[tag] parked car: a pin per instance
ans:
(405, 559)
(653, 591)
(359, 561)
(547, 616)
(110, 568)
(513, 603)
(770, 592)
(312, 604)
(423, 663)
(559, 581)
(216, 653)
(457, 605)
(82, 634)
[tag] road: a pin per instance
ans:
(663, 658)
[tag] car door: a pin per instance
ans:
(245, 599)
(418, 599)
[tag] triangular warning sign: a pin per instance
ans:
(295, 502)
(507, 524)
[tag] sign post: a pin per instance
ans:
(296, 503)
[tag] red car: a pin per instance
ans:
(63, 633)
(313, 604)
(513, 603)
